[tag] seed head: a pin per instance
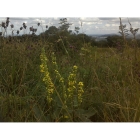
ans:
(17, 31)
(12, 26)
(21, 28)
(7, 22)
(24, 25)
(46, 26)
(31, 28)
(34, 30)
(3, 25)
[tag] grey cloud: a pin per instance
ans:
(18, 18)
(108, 18)
(125, 20)
(131, 19)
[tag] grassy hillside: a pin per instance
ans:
(110, 84)
(42, 82)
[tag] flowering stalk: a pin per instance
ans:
(72, 82)
(74, 89)
(60, 78)
(80, 91)
(46, 76)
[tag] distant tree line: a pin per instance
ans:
(62, 36)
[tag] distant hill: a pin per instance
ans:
(102, 35)
(112, 34)
(99, 37)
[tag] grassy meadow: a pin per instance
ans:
(42, 82)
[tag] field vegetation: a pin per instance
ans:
(66, 76)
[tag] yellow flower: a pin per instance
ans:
(42, 71)
(50, 90)
(46, 76)
(66, 117)
(42, 68)
(59, 77)
(75, 67)
(80, 91)
(80, 83)
(72, 83)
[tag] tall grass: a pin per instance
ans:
(90, 84)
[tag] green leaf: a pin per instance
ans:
(38, 113)
(85, 119)
(90, 112)
(57, 102)
(84, 115)
(57, 113)
(75, 102)
(48, 118)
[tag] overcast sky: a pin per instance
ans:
(95, 25)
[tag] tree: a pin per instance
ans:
(113, 40)
(51, 31)
(64, 24)
(77, 29)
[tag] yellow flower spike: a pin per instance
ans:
(80, 91)
(80, 83)
(60, 78)
(46, 76)
(72, 83)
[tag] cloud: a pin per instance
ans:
(18, 18)
(107, 25)
(89, 25)
(107, 18)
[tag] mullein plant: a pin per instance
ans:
(73, 88)
(74, 92)
(59, 78)
(80, 92)
(46, 76)
(70, 94)
(72, 84)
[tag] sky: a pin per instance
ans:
(90, 25)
